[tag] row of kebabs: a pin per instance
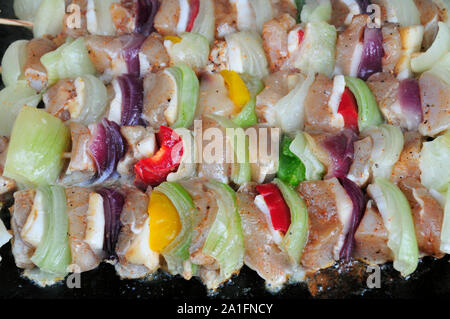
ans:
(326, 110)
(332, 212)
(105, 139)
(201, 227)
(212, 18)
(281, 34)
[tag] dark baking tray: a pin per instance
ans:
(432, 278)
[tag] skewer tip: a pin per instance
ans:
(16, 22)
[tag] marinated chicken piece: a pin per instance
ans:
(214, 96)
(385, 88)
(69, 28)
(353, 9)
(408, 162)
(392, 46)
(349, 46)
(213, 164)
(435, 99)
(136, 260)
(123, 15)
(262, 254)
(141, 143)
(35, 72)
(134, 212)
(427, 215)
(429, 18)
(33, 229)
(7, 185)
(59, 98)
(225, 18)
(105, 53)
(22, 251)
(318, 114)
(411, 42)
(166, 20)
(339, 14)
(205, 202)
(284, 6)
(360, 169)
(275, 40)
(218, 57)
(84, 258)
(276, 87)
(153, 56)
(443, 12)
(160, 94)
(223, 55)
(329, 210)
(68, 99)
(250, 17)
(28, 222)
(371, 238)
(81, 167)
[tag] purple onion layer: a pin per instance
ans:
(106, 148)
(373, 53)
(363, 4)
(357, 197)
(341, 150)
(113, 202)
(145, 15)
(132, 99)
(409, 98)
(98, 148)
(131, 45)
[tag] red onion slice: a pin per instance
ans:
(98, 148)
(357, 197)
(145, 15)
(363, 4)
(340, 148)
(132, 99)
(373, 53)
(131, 45)
(113, 202)
(409, 98)
(106, 148)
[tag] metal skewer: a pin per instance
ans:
(15, 22)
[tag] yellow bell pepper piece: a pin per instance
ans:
(172, 38)
(164, 221)
(237, 90)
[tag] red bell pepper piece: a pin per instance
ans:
(154, 170)
(195, 7)
(301, 34)
(348, 108)
(280, 213)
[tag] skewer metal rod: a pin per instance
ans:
(15, 22)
